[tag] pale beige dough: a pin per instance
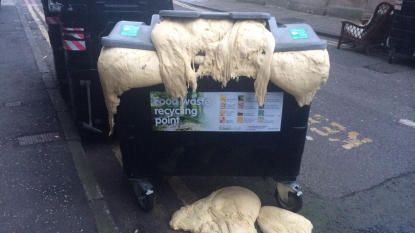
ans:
(300, 73)
(121, 69)
(276, 220)
(223, 50)
(227, 210)
(232, 49)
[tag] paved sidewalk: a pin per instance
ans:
(322, 25)
(40, 176)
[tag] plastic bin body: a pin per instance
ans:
(149, 153)
(213, 151)
(402, 37)
(83, 24)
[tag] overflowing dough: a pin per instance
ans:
(232, 49)
(300, 73)
(121, 69)
(188, 49)
(275, 220)
(227, 210)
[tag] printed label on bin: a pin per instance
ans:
(299, 33)
(129, 30)
(216, 111)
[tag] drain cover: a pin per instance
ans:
(13, 104)
(290, 20)
(383, 68)
(38, 138)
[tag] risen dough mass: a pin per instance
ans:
(275, 220)
(227, 210)
(231, 48)
(222, 49)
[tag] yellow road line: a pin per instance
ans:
(38, 22)
(42, 16)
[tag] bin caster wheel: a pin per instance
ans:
(294, 203)
(288, 196)
(145, 195)
(146, 201)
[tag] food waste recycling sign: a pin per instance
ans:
(216, 111)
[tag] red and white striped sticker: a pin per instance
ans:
(75, 35)
(74, 45)
(73, 29)
(52, 20)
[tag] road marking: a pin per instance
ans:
(335, 128)
(188, 7)
(42, 16)
(353, 141)
(407, 123)
(37, 20)
(328, 130)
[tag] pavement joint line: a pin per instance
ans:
(68, 126)
(181, 190)
(48, 80)
(196, 5)
(189, 7)
(407, 122)
(57, 100)
(103, 218)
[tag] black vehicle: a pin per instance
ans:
(402, 37)
(83, 24)
(52, 11)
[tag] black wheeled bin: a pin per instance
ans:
(223, 131)
(83, 24)
(52, 11)
(402, 37)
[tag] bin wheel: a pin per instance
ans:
(294, 203)
(146, 201)
(145, 198)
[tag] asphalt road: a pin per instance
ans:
(358, 166)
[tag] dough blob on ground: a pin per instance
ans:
(276, 220)
(221, 49)
(227, 210)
